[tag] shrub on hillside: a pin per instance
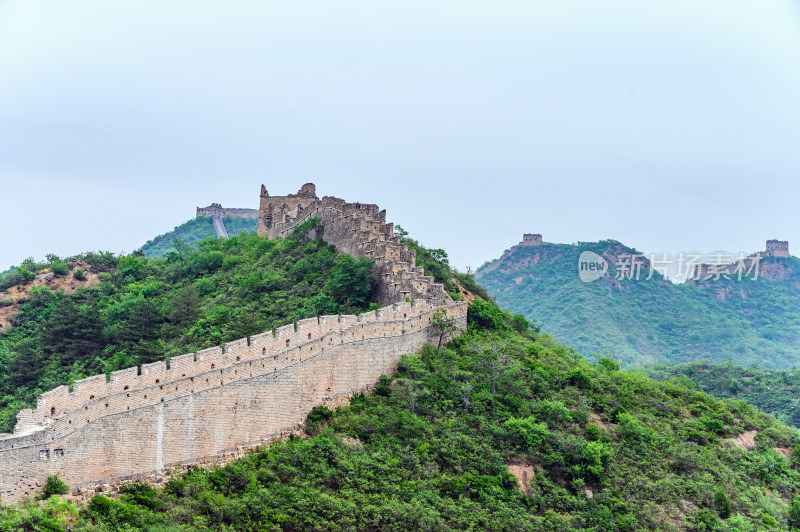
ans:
(54, 486)
(486, 315)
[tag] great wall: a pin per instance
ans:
(216, 211)
(139, 421)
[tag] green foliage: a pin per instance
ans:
(443, 328)
(773, 391)
(319, 414)
(525, 433)
(769, 521)
(410, 456)
(384, 387)
(578, 378)
(351, 282)
(648, 321)
(141, 494)
(59, 269)
(722, 503)
(436, 263)
(54, 486)
(607, 364)
(616, 413)
(16, 276)
(79, 274)
(486, 315)
(521, 324)
(51, 515)
(146, 309)
(793, 517)
(188, 235)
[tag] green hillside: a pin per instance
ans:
(772, 391)
(437, 445)
(145, 310)
(503, 429)
(194, 231)
(652, 321)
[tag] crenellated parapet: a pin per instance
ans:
(191, 408)
(55, 404)
(359, 229)
(216, 209)
(108, 428)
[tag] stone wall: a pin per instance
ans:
(777, 248)
(216, 209)
(219, 227)
(361, 230)
(203, 404)
(197, 406)
(529, 239)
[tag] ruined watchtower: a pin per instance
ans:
(283, 209)
(777, 248)
(529, 239)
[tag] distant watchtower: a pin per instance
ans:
(777, 248)
(529, 239)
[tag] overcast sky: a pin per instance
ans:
(668, 125)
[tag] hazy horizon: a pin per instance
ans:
(670, 126)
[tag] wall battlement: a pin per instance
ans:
(216, 209)
(777, 248)
(705, 271)
(139, 421)
(359, 229)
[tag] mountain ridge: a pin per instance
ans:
(652, 320)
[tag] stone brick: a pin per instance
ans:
(217, 403)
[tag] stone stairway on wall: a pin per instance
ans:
(361, 230)
(219, 226)
(141, 420)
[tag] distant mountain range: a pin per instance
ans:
(647, 321)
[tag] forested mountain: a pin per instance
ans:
(502, 428)
(193, 231)
(775, 392)
(646, 321)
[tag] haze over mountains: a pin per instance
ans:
(646, 321)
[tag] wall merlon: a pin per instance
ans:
(213, 360)
(124, 378)
(183, 364)
(88, 388)
(286, 332)
(260, 339)
(368, 317)
(329, 323)
(347, 320)
(238, 349)
(25, 421)
(308, 329)
(153, 371)
(257, 387)
(210, 352)
(56, 397)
